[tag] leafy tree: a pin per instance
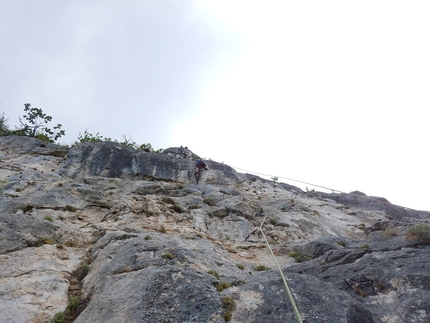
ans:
(4, 128)
(127, 140)
(34, 125)
(146, 147)
(89, 137)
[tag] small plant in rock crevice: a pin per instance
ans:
(222, 285)
(298, 257)
(209, 202)
(194, 206)
(260, 268)
(49, 218)
(149, 213)
(240, 266)
(168, 200)
(3, 183)
(419, 232)
(82, 271)
(71, 312)
(364, 246)
(167, 255)
(70, 243)
(70, 208)
(229, 305)
(190, 237)
(177, 208)
(273, 222)
(214, 273)
(45, 240)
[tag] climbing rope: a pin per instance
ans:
(290, 296)
(331, 189)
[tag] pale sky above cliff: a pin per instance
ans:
(334, 93)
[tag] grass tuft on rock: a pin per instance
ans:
(168, 255)
(228, 303)
(209, 202)
(71, 311)
(177, 208)
(82, 271)
(222, 285)
(214, 273)
(419, 232)
(45, 240)
(298, 257)
(169, 200)
(194, 206)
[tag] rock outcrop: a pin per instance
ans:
(102, 232)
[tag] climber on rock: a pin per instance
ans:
(249, 235)
(200, 166)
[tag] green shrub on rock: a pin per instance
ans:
(167, 255)
(177, 208)
(214, 273)
(420, 232)
(222, 285)
(168, 200)
(298, 257)
(45, 240)
(209, 202)
(228, 304)
(261, 268)
(193, 207)
(71, 311)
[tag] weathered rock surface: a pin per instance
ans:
(159, 248)
(382, 274)
(34, 282)
(18, 232)
(109, 159)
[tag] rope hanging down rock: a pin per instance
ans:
(290, 296)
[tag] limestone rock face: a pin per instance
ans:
(132, 236)
(22, 231)
(34, 282)
(313, 294)
(110, 159)
(376, 273)
(161, 278)
(177, 289)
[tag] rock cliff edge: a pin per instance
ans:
(105, 233)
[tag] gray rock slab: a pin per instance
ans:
(393, 283)
(264, 299)
(18, 231)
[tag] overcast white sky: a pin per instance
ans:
(333, 93)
